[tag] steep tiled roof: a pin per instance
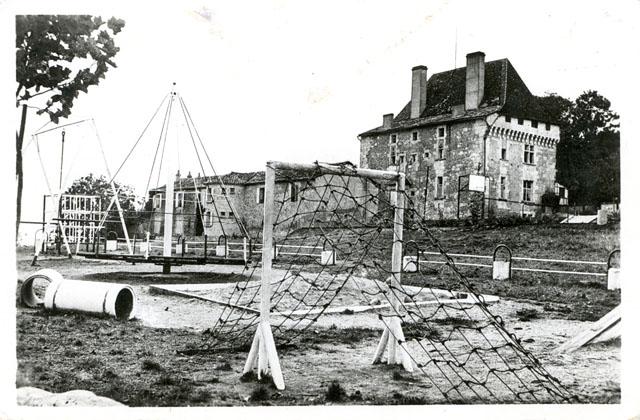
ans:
(504, 92)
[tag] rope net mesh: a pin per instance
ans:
(458, 346)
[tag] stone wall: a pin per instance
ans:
(419, 156)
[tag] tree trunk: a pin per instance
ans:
(19, 141)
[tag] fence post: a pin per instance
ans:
(502, 268)
(613, 273)
(146, 253)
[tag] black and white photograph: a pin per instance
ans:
(381, 208)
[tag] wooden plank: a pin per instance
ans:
(593, 332)
(206, 299)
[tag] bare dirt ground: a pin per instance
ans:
(137, 363)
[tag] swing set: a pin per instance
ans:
(84, 223)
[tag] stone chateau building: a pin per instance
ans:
(473, 125)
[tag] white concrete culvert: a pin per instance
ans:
(29, 293)
(113, 299)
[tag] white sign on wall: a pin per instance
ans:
(476, 183)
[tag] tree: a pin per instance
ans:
(100, 186)
(588, 155)
(57, 57)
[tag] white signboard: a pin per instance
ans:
(476, 183)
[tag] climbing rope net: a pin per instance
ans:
(359, 220)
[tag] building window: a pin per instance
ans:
(534, 124)
(392, 158)
(209, 195)
(507, 118)
(527, 190)
(232, 191)
(230, 214)
(179, 198)
(503, 187)
(439, 187)
(393, 138)
(441, 149)
(412, 158)
(547, 126)
(503, 153)
(520, 121)
(442, 132)
(412, 193)
(414, 136)
(223, 214)
(223, 191)
(260, 195)
(293, 192)
(401, 159)
(426, 155)
(157, 201)
(528, 154)
(208, 221)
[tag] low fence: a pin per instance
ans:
(232, 248)
(502, 264)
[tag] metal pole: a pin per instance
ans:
(61, 162)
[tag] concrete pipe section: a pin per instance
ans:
(33, 288)
(117, 300)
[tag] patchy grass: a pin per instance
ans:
(526, 314)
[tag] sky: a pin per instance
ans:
(299, 80)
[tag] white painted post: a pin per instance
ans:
(244, 248)
(394, 337)
(266, 350)
(168, 217)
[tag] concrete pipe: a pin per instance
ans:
(33, 283)
(112, 299)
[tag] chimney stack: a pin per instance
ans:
(387, 119)
(418, 90)
(474, 88)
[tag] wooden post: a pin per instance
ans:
(393, 337)
(146, 254)
(263, 354)
(168, 217)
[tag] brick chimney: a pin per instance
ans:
(178, 175)
(387, 119)
(418, 90)
(474, 88)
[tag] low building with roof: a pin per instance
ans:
(471, 139)
(232, 205)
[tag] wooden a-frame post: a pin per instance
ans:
(392, 337)
(263, 354)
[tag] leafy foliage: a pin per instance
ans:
(62, 56)
(588, 155)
